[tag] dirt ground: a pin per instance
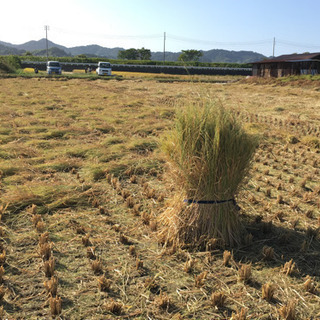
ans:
(83, 180)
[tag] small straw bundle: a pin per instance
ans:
(211, 155)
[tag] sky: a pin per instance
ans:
(178, 24)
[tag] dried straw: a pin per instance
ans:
(210, 155)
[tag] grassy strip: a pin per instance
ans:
(48, 197)
(119, 77)
(62, 77)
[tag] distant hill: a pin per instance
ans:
(6, 50)
(38, 48)
(170, 56)
(215, 55)
(52, 52)
(34, 45)
(94, 51)
(218, 55)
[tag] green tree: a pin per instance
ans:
(129, 54)
(82, 56)
(135, 54)
(144, 54)
(190, 55)
(9, 64)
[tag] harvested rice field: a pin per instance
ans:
(83, 181)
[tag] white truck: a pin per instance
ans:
(53, 67)
(104, 69)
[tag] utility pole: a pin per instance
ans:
(274, 45)
(47, 28)
(164, 48)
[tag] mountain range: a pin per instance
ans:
(38, 48)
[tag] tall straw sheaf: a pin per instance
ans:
(211, 154)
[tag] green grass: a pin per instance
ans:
(48, 197)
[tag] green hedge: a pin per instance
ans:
(141, 62)
(9, 64)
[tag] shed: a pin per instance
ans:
(286, 65)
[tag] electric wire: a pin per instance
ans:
(178, 38)
(296, 44)
(208, 42)
(111, 36)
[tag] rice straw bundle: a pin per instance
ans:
(211, 155)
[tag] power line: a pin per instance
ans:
(211, 42)
(244, 43)
(186, 39)
(177, 38)
(295, 44)
(111, 36)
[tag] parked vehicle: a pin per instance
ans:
(53, 67)
(104, 68)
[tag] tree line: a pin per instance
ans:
(135, 54)
(145, 54)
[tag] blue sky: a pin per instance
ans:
(189, 24)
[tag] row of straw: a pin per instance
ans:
(296, 125)
(131, 202)
(103, 282)
(218, 298)
(46, 254)
(162, 300)
(3, 257)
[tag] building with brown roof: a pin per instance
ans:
(286, 65)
